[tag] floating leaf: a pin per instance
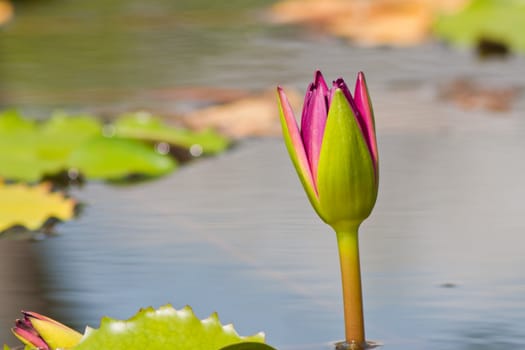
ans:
(162, 329)
(468, 95)
(144, 126)
(114, 158)
(496, 21)
(30, 151)
(11, 121)
(62, 134)
(25, 166)
(371, 23)
(32, 206)
(18, 159)
(247, 117)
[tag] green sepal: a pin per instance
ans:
(55, 334)
(346, 178)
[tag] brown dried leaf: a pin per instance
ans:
(6, 11)
(250, 116)
(379, 22)
(470, 95)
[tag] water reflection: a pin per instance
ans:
(491, 335)
(235, 234)
(21, 287)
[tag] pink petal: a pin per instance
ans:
(315, 111)
(306, 103)
(295, 137)
(31, 314)
(362, 101)
(25, 331)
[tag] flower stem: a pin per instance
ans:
(348, 244)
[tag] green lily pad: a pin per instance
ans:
(114, 158)
(31, 150)
(500, 21)
(163, 329)
(144, 126)
(11, 121)
(18, 149)
(20, 160)
(26, 166)
(63, 133)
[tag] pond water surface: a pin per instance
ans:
(443, 253)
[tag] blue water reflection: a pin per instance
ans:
(235, 235)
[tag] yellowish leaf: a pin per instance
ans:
(32, 206)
